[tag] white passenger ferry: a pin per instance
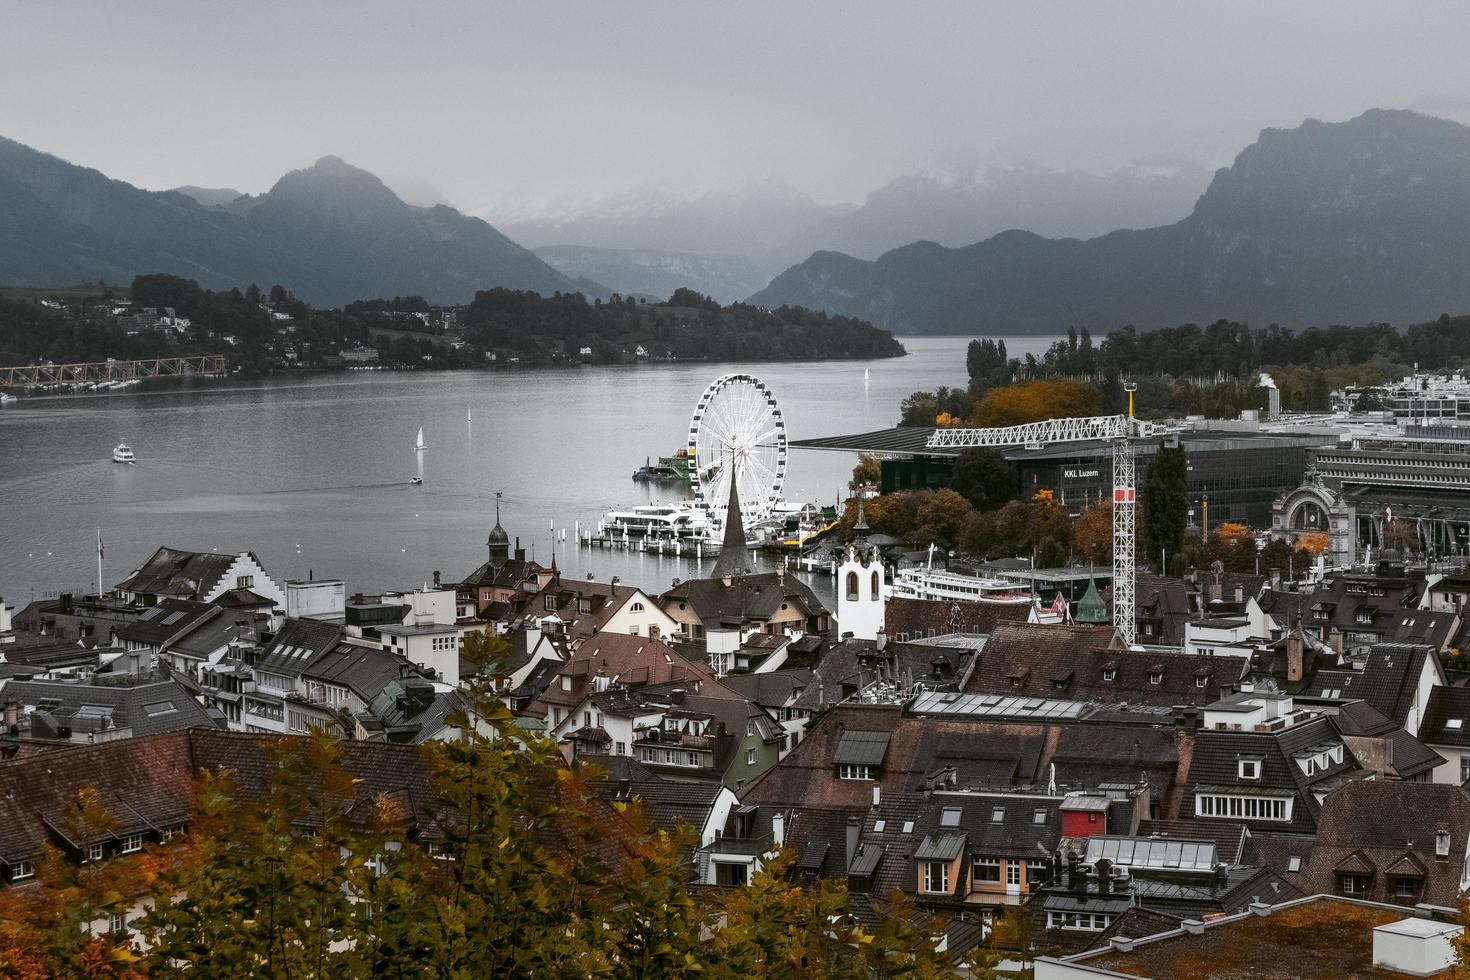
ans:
(657, 521)
(927, 583)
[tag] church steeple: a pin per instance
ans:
(732, 549)
(498, 542)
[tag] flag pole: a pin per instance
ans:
(99, 561)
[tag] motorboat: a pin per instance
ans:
(124, 454)
(7, 399)
(651, 472)
(416, 481)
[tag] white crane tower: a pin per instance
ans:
(1120, 430)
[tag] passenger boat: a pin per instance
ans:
(123, 454)
(651, 472)
(658, 521)
(931, 583)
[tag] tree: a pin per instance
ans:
(1312, 542)
(1400, 535)
(984, 478)
(1092, 534)
(867, 473)
(1036, 401)
(1165, 503)
(942, 517)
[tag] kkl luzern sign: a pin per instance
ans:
(1078, 474)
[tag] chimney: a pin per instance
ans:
(1240, 593)
(1222, 877)
(778, 828)
(1104, 876)
(520, 552)
(1076, 877)
(1294, 656)
(854, 830)
(877, 795)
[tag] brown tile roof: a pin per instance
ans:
(1389, 824)
(907, 619)
(630, 661)
(749, 598)
(1074, 663)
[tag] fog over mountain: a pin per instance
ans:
(1326, 222)
(642, 241)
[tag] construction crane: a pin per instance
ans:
(1120, 431)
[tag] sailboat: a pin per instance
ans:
(865, 375)
(468, 415)
(419, 443)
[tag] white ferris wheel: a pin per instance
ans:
(737, 431)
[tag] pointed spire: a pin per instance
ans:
(860, 528)
(732, 550)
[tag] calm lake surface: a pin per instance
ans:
(311, 472)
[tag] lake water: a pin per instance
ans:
(311, 472)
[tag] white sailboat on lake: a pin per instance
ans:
(419, 442)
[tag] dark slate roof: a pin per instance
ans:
(848, 665)
(173, 571)
(771, 689)
(146, 709)
(940, 846)
(1390, 828)
(909, 619)
(1446, 706)
(298, 645)
(1408, 757)
(748, 597)
(158, 624)
(1388, 681)
(508, 575)
(1217, 755)
(365, 671)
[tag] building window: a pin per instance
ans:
(986, 869)
(1110, 673)
(1013, 872)
(549, 603)
(620, 748)
(1156, 677)
(1078, 921)
(1248, 768)
(132, 843)
(1465, 768)
(636, 607)
(852, 586)
(1352, 884)
(998, 815)
(750, 757)
(854, 772)
(1404, 887)
(876, 593)
(950, 817)
(1200, 680)
(936, 877)
(95, 852)
(116, 923)
(21, 870)
(1038, 816)
(1243, 807)
(245, 582)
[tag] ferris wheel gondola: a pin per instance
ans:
(737, 432)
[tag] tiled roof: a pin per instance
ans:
(846, 666)
(624, 660)
(172, 616)
(298, 645)
(909, 618)
(771, 689)
(173, 571)
(1032, 660)
(1389, 681)
(1447, 717)
(365, 671)
(755, 597)
(1384, 824)
(145, 709)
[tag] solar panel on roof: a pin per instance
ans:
(171, 619)
(157, 708)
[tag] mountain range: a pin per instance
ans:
(1367, 219)
(332, 233)
(721, 242)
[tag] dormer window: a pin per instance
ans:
(1442, 844)
(1248, 768)
(584, 605)
(1200, 680)
(636, 607)
(549, 603)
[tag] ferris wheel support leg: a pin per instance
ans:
(1125, 501)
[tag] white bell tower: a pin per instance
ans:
(860, 584)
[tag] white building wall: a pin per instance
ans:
(637, 614)
(859, 598)
(247, 567)
(317, 599)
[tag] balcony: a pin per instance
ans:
(672, 740)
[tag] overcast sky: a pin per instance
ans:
(519, 104)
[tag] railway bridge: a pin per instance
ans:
(34, 375)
